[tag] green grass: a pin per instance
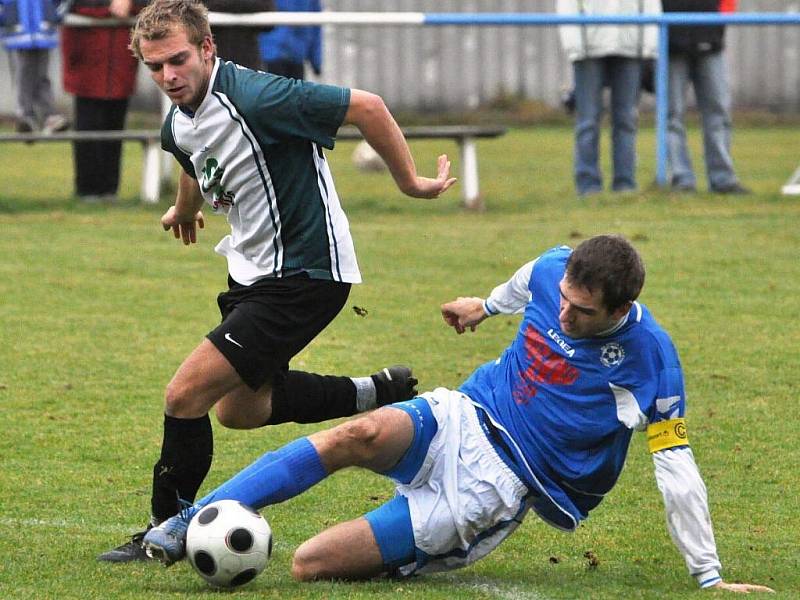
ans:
(100, 306)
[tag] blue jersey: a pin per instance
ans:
(569, 406)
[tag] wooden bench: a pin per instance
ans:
(464, 136)
(152, 173)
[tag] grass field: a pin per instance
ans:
(100, 306)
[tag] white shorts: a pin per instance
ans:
(464, 500)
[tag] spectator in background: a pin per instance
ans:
(614, 55)
(100, 72)
(695, 54)
(235, 42)
(29, 34)
(285, 49)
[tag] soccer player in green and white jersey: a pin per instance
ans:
(251, 146)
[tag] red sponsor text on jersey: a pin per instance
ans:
(546, 366)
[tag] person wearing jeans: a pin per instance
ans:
(609, 55)
(695, 55)
(622, 76)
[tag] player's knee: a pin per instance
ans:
(360, 437)
(181, 401)
(306, 564)
(176, 399)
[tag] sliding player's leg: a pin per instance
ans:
(458, 499)
(376, 441)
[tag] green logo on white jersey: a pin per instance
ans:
(212, 176)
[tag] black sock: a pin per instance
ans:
(301, 397)
(186, 454)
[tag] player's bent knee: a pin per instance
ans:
(176, 400)
(360, 437)
(306, 566)
(183, 402)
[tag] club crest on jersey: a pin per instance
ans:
(211, 183)
(611, 354)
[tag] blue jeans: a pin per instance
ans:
(623, 76)
(707, 75)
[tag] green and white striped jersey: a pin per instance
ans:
(255, 147)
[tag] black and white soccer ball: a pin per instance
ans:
(228, 543)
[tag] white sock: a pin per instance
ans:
(366, 394)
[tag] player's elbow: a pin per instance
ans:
(365, 108)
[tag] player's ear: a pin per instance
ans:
(207, 48)
(622, 310)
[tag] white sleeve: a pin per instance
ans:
(688, 519)
(511, 297)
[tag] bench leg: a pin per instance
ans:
(469, 174)
(167, 164)
(792, 187)
(151, 172)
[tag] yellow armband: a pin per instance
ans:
(667, 434)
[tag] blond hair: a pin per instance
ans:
(159, 18)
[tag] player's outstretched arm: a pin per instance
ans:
(688, 518)
(184, 216)
(464, 313)
(740, 588)
(369, 114)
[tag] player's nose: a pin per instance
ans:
(169, 73)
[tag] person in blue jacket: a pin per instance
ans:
(286, 49)
(29, 32)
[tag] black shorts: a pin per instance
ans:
(265, 324)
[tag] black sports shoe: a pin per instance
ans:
(129, 551)
(394, 384)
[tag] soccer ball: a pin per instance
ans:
(366, 159)
(228, 543)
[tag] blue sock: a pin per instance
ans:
(273, 478)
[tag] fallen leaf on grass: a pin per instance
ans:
(592, 558)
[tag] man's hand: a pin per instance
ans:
(120, 8)
(740, 588)
(463, 313)
(425, 187)
(369, 114)
(182, 228)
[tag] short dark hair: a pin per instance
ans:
(158, 19)
(608, 263)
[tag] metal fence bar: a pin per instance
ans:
(662, 103)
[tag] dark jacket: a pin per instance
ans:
(694, 40)
(239, 43)
(96, 61)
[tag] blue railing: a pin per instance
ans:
(663, 21)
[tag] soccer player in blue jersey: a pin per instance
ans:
(544, 427)
(250, 144)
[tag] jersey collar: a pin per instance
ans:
(186, 110)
